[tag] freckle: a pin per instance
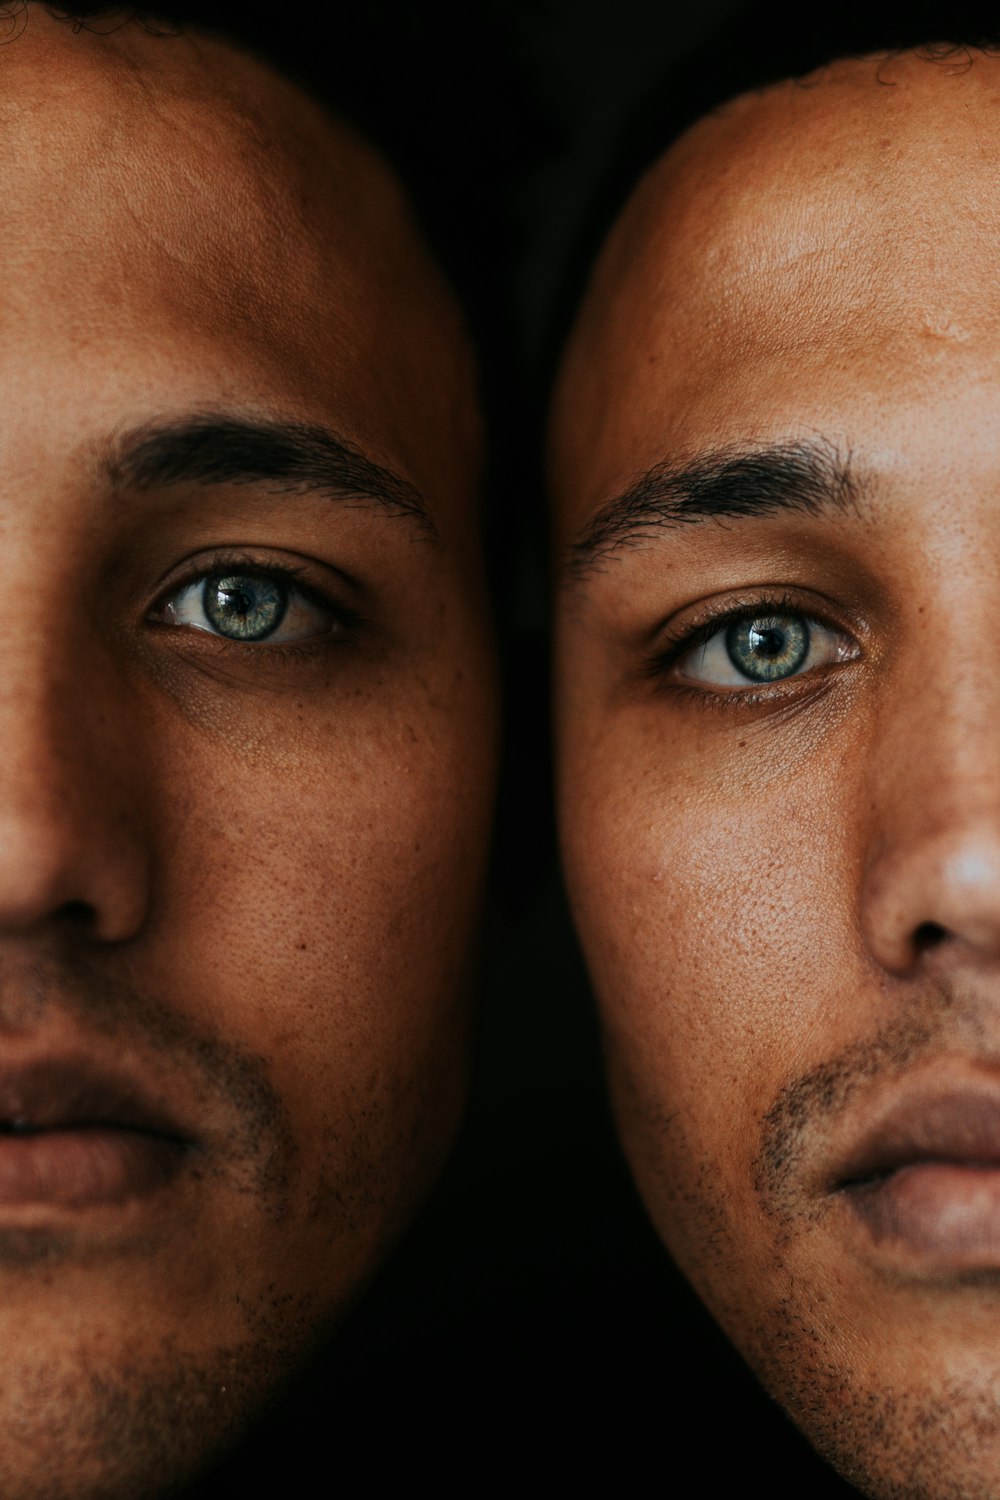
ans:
(743, 744)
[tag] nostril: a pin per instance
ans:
(929, 935)
(78, 913)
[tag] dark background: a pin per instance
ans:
(530, 1329)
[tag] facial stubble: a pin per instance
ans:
(91, 1418)
(937, 1440)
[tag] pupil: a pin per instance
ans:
(244, 608)
(768, 642)
(239, 603)
(768, 648)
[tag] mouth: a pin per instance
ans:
(924, 1182)
(73, 1136)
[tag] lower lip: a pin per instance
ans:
(84, 1167)
(943, 1213)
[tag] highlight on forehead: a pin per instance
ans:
(860, 121)
(775, 210)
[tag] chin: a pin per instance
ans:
(89, 1422)
(936, 1438)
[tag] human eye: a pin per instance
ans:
(250, 604)
(756, 647)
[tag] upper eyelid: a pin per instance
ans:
(674, 641)
(198, 580)
(235, 566)
(264, 560)
(236, 563)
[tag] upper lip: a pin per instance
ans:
(66, 1093)
(959, 1125)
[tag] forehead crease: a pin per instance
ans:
(845, 211)
(105, 118)
(784, 247)
(162, 193)
(822, 160)
(182, 174)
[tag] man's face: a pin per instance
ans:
(776, 460)
(247, 722)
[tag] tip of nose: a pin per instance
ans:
(974, 868)
(936, 900)
(41, 885)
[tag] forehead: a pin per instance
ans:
(172, 197)
(832, 235)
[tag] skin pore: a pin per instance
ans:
(248, 726)
(774, 463)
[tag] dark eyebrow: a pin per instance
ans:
(726, 484)
(218, 448)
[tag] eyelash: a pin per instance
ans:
(345, 622)
(682, 642)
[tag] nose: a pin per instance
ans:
(71, 843)
(938, 901)
(931, 886)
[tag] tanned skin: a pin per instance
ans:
(775, 459)
(247, 718)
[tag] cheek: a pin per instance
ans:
(321, 913)
(717, 911)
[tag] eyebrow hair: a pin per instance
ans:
(294, 457)
(727, 484)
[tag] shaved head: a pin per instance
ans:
(773, 458)
(785, 213)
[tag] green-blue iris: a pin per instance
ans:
(769, 647)
(243, 607)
